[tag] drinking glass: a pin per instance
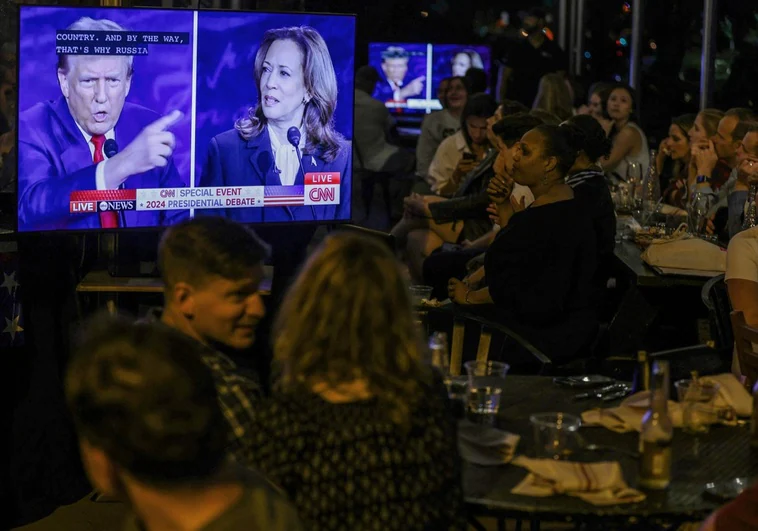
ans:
(634, 178)
(555, 434)
(419, 293)
(696, 397)
(625, 195)
(486, 380)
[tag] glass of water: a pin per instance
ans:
(555, 434)
(697, 398)
(634, 179)
(486, 380)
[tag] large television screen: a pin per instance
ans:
(134, 118)
(411, 73)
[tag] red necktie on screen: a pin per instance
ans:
(108, 220)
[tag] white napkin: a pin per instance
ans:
(484, 445)
(628, 416)
(732, 394)
(596, 483)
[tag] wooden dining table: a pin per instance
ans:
(721, 455)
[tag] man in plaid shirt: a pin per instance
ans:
(212, 268)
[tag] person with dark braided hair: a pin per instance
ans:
(540, 268)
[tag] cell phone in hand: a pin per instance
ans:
(450, 247)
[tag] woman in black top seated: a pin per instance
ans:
(587, 180)
(540, 267)
(359, 432)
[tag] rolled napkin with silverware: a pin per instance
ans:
(485, 445)
(732, 401)
(628, 416)
(731, 394)
(596, 483)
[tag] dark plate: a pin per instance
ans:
(726, 490)
(583, 382)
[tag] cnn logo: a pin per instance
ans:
(322, 195)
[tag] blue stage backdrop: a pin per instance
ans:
(227, 44)
(162, 79)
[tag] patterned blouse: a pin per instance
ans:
(237, 395)
(348, 467)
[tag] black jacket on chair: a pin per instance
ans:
(470, 201)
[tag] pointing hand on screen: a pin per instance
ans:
(150, 149)
(414, 88)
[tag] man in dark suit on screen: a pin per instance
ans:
(395, 66)
(61, 145)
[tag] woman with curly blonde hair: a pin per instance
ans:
(358, 432)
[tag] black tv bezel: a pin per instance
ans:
(158, 228)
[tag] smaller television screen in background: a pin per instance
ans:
(410, 73)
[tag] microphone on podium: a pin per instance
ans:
(293, 137)
(110, 148)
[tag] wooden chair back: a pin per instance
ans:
(745, 336)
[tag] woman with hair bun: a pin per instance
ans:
(587, 180)
(539, 269)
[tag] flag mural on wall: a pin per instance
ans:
(11, 320)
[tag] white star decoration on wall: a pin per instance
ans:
(12, 327)
(9, 283)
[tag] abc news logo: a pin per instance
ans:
(83, 207)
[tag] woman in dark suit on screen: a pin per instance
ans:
(297, 96)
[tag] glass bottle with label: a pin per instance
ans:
(651, 186)
(657, 433)
(438, 351)
(697, 212)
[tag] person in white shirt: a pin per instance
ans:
(742, 269)
(460, 153)
(629, 141)
(439, 125)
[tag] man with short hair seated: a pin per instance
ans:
(151, 433)
(212, 268)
